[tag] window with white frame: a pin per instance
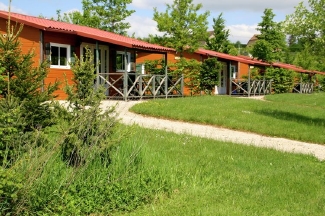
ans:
(60, 55)
(140, 68)
(120, 61)
(234, 71)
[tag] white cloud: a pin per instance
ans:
(13, 8)
(150, 4)
(142, 26)
(241, 32)
(229, 5)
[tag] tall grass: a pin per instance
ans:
(152, 172)
(118, 180)
(285, 116)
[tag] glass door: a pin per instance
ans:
(222, 86)
(103, 53)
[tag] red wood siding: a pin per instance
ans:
(61, 76)
(29, 39)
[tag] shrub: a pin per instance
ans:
(11, 127)
(282, 79)
(209, 74)
(10, 184)
(191, 71)
(24, 81)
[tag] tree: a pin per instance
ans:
(307, 25)
(24, 81)
(182, 26)
(219, 41)
(107, 15)
(90, 128)
(209, 74)
(271, 41)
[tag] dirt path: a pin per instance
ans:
(212, 132)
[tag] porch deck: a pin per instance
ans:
(132, 86)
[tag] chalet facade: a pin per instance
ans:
(59, 41)
(121, 59)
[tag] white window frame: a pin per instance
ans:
(68, 56)
(128, 59)
(234, 72)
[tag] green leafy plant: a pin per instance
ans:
(182, 25)
(155, 66)
(24, 81)
(282, 79)
(209, 74)
(89, 127)
(271, 41)
(11, 127)
(10, 184)
(219, 41)
(191, 71)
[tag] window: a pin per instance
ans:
(60, 56)
(233, 72)
(120, 61)
(140, 68)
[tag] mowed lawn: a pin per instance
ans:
(294, 116)
(208, 177)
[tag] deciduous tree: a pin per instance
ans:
(182, 25)
(219, 41)
(307, 25)
(108, 15)
(271, 41)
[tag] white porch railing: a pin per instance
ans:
(139, 86)
(251, 87)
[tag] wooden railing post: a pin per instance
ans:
(125, 80)
(249, 82)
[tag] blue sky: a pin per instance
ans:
(241, 16)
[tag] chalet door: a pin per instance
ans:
(222, 86)
(103, 61)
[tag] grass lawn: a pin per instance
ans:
(294, 116)
(208, 177)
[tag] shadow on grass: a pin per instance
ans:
(294, 117)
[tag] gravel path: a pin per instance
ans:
(212, 132)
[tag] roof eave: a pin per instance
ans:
(22, 21)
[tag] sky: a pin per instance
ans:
(241, 17)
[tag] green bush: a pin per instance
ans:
(191, 71)
(209, 74)
(282, 79)
(320, 83)
(24, 81)
(11, 127)
(10, 184)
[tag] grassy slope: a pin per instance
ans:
(214, 178)
(293, 116)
